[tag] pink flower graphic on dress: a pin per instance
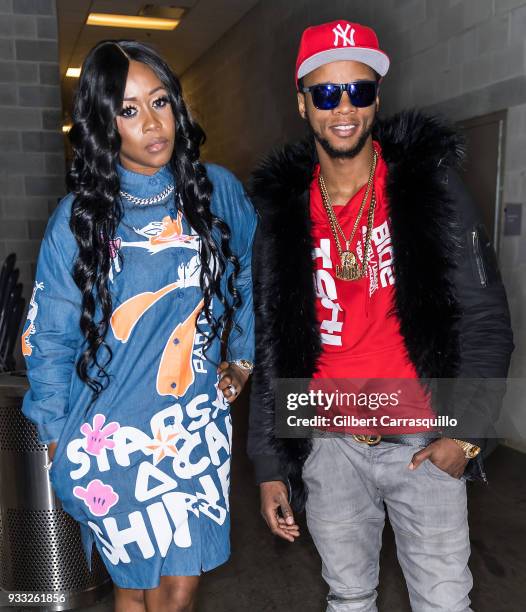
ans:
(97, 436)
(97, 496)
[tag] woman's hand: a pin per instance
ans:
(232, 379)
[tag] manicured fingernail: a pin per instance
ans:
(411, 466)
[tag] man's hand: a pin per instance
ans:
(274, 496)
(445, 454)
(51, 448)
(232, 379)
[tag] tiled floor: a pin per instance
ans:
(265, 575)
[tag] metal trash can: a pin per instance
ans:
(40, 545)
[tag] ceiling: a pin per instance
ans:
(204, 22)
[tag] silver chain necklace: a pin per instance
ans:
(151, 200)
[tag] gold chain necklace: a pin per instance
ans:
(350, 268)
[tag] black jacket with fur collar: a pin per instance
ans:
(449, 296)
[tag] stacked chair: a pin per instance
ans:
(12, 306)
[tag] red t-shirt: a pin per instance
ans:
(360, 335)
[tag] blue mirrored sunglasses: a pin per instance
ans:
(327, 96)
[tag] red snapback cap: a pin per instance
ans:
(339, 40)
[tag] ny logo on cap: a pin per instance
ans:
(347, 38)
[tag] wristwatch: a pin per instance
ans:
(244, 364)
(470, 450)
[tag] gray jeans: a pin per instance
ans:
(348, 484)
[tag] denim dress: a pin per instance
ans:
(145, 469)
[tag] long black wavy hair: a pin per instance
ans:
(97, 208)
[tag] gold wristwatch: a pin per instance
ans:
(470, 450)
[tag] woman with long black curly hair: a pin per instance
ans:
(143, 271)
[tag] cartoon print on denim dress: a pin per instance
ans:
(27, 348)
(164, 235)
(175, 373)
(97, 496)
(160, 235)
(177, 432)
(97, 435)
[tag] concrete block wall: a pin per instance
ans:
(31, 143)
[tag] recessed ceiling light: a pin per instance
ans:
(73, 73)
(131, 21)
(164, 12)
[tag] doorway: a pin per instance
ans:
(483, 168)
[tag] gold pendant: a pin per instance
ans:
(349, 270)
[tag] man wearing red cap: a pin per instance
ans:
(371, 263)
